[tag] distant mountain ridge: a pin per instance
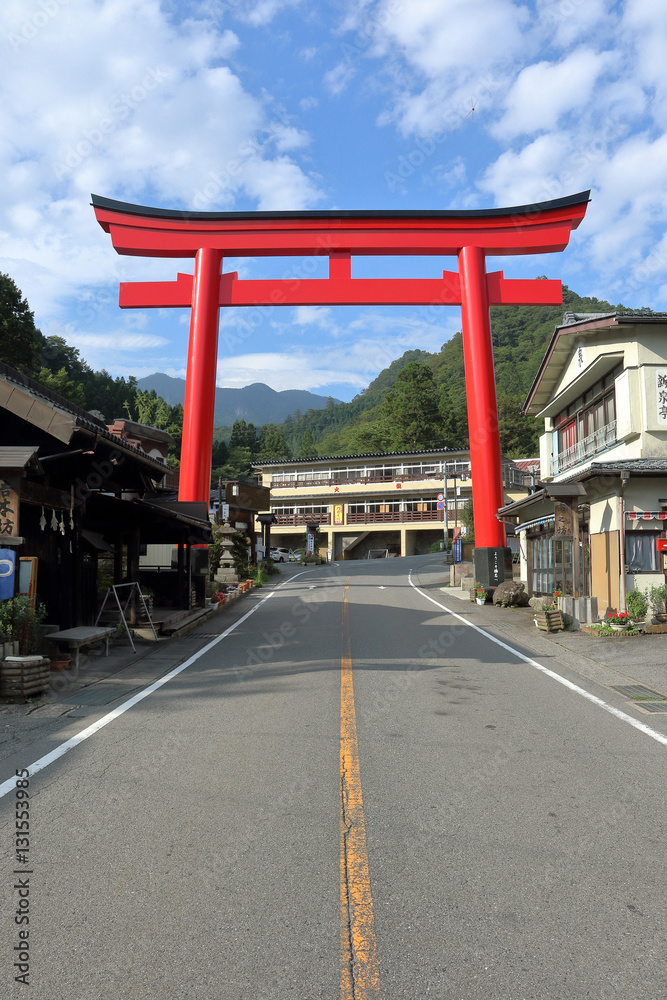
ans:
(257, 403)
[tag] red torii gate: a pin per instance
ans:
(471, 236)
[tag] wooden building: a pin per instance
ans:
(76, 491)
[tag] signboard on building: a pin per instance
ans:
(565, 517)
(661, 394)
(7, 568)
(338, 513)
(9, 510)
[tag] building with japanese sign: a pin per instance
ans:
(393, 502)
(601, 390)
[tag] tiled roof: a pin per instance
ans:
(80, 417)
(376, 454)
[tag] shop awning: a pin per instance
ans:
(533, 524)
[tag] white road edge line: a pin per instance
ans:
(654, 734)
(39, 765)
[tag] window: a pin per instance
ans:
(641, 555)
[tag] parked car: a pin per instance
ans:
(294, 556)
(280, 554)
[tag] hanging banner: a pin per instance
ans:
(646, 515)
(7, 569)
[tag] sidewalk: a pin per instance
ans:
(614, 661)
(102, 680)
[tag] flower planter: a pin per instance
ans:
(480, 600)
(617, 627)
(63, 664)
(24, 676)
(550, 621)
(661, 618)
(473, 594)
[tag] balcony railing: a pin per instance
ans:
(384, 517)
(405, 477)
(299, 520)
(600, 440)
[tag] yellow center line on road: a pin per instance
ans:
(360, 973)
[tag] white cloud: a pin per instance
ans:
(439, 36)
(113, 96)
(263, 11)
(544, 92)
(337, 79)
(566, 22)
(115, 341)
(308, 315)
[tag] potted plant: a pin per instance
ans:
(549, 618)
(658, 599)
(28, 673)
(480, 593)
(619, 621)
(637, 605)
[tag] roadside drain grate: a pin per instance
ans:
(652, 706)
(639, 693)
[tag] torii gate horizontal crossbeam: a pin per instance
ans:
(445, 291)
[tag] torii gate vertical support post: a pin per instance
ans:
(493, 560)
(199, 404)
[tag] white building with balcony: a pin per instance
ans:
(601, 391)
(391, 503)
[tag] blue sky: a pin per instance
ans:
(237, 105)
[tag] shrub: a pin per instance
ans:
(637, 604)
(21, 621)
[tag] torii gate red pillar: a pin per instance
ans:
(471, 236)
(197, 443)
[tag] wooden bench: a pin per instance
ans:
(82, 636)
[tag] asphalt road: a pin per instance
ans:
(485, 833)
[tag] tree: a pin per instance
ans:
(243, 436)
(272, 443)
(154, 411)
(468, 520)
(220, 453)
(20, 340)
(61, 383)
(57, 355)
(519, 435)
(307, 445)
(410, 414)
